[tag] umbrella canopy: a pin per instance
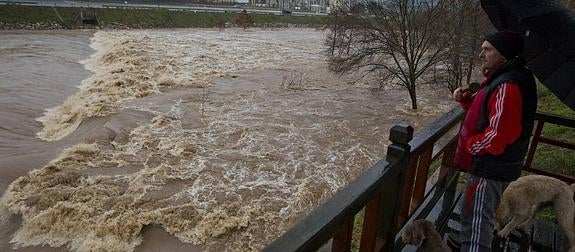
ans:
(549, 29)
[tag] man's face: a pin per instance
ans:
(491, 59)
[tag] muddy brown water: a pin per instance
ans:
(179, 140)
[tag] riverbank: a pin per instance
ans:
(50, 18)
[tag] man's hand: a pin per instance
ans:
(462, 94)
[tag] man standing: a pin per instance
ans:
(494, 136)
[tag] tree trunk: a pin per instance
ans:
(469, 71)
(334, 34)
(413, 97)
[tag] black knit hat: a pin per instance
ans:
(508, 43)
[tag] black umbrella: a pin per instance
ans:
(549, 29)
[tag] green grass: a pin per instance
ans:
(357, 229)
(548, 102)
(13, 14)
(551, 158)
(148, 18)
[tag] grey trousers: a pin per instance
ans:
(482, 197)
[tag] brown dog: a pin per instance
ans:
(422, 233)
(527, 196)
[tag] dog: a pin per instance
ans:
(532, 194)
(422, 233)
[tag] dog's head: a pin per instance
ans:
(415, 232)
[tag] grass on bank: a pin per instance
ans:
(551, 158)
(147, 18)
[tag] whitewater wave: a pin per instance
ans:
(136, 64)
(223, 154)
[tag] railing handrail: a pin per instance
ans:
(436, 130)
(555, 119)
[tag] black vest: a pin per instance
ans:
(508, 165)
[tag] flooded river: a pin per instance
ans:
(180, 140)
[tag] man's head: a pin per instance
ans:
(498, 48)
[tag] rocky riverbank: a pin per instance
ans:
(31, 26)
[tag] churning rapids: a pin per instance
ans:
(213, 140)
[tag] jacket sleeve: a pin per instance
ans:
(504, 127)
(465, 104)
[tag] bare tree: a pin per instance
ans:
(396, 41)
(465, 27)
(569, 4)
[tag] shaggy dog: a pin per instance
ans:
(527, 196)
(422, 233)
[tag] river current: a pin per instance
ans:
(179, 140)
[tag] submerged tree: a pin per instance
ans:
(244, 20)
(397, 41)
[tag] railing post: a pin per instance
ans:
(398, 151)
(382, 211)
(370, 224)
(343, 237)
(447, 181)
(408, 190)
(421, 178)
(398, 156)
(447, 168)
(534, 143)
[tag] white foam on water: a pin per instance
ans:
(260, 158)
(4, 213)
(135, 64)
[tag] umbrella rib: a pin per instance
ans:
(537, 55)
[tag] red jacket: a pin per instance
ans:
(504, 126)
